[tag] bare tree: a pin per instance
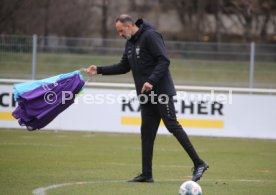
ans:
(104, 7)
(185, 10)
(266, 9)
(218, 17)
(82, 18)
(46, 20)
(244, 9)
(253, 15)
(8, 9)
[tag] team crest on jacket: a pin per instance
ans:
(137, 50)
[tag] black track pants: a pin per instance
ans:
(151, 117)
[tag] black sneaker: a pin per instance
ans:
(142, 178)
(199, 170)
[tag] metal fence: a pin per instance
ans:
(193, 63)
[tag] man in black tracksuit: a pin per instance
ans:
(145, 55)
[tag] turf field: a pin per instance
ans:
(49, 162)
(185, 72)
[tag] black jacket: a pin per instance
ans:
(145, 55)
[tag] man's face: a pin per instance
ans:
(124, 30)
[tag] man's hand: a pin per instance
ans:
(91, 70)
(146, 87)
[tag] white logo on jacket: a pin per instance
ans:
(137, 50)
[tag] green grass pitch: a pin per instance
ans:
(58, 162)
(184, 71)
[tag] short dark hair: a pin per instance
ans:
(124, 18)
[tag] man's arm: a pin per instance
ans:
(157, 49)
(121, 68)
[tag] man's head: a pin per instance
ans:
(125, 26)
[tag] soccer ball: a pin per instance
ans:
(190, 188)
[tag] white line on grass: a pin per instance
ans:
(43, 190)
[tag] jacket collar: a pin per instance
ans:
(143, 26)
